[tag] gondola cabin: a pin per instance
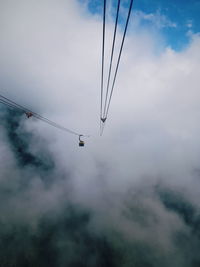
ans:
(29, 114)
(81, 142)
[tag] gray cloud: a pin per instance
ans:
(129, 198)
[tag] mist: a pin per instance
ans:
(128, 198)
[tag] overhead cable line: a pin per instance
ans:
(119, 57)
(12, 104)
(108, 99)
(15, 105)
(111, 58)
(7, 104)
(102, 61)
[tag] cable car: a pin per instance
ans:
(81, 142)
(29, 114)
(103, 119)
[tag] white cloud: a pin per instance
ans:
(50, 61)
(157, 19)
(189, 24)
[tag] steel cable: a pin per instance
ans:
(12, 104)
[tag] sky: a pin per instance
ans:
(175, 20)
(130, 197)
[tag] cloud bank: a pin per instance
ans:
(129, 198)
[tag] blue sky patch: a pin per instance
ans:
(174, 19)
